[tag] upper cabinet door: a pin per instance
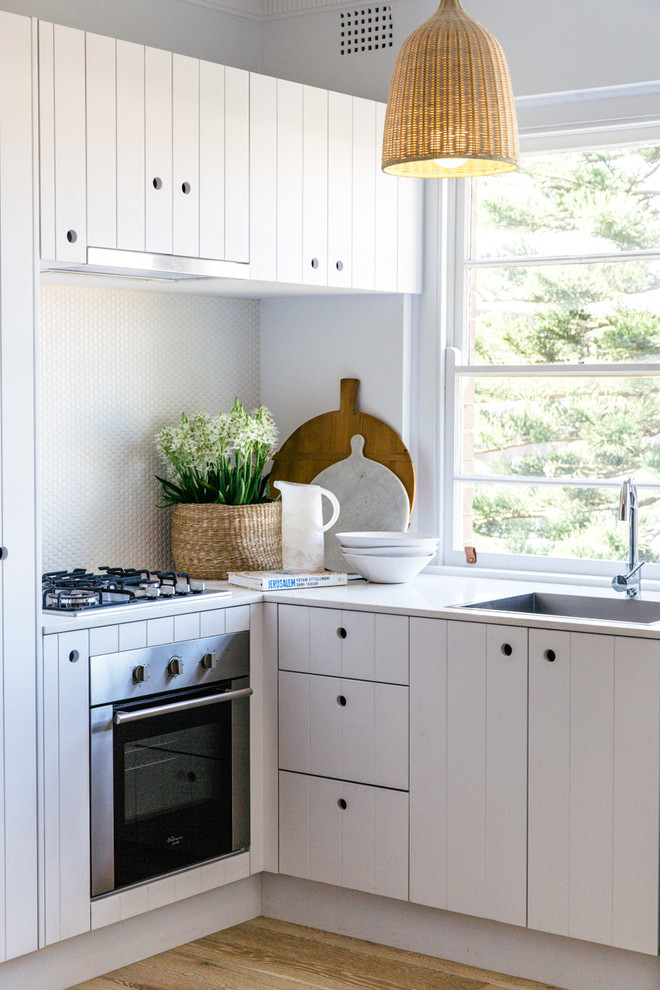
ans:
(315, 186)
(101, 79)
(289, 182)
(212, 145)
(364, 194)
(130, 147)
(158, 150)
(340, 189)
(185, 122)
(62, 143)
(237, 170)
(263, 177)
(387, 246)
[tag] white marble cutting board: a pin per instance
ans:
(371, 497)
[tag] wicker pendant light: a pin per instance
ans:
(450, 109)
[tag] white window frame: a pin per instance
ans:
(588, 126)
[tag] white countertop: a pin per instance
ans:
(433, 594)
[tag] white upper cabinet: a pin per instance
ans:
(337, 219)
(141, 150)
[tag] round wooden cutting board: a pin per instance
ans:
(326, 439)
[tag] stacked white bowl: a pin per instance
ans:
(387, 558)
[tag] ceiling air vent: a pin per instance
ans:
(367, 29)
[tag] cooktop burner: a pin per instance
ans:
(79, 589)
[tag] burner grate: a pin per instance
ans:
(80, 590)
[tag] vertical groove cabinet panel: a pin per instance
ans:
(46, 71)
(101, 84)
(549, 760)
(264, 183)
(237, 164)
(130, 147)
(325, 641)
(340, 190)
(364, 193)
(185, 168)
(66, 771)
(62, 104)
(486, 711)
(158, 150)
(349, 835)
(315, 186)
(387, 216)
(594, 736)
(211, 160)
(591, 787)
(428, 762)
(19, 571)
(391, 648)
(356, 637)
(293, 637)
(289, 182)
(636, 822)
(294, 721)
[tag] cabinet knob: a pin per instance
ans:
(157, 182)
(550, 656)
(175, 667)
(341, 632)
(74, 656)
(315, 262)
(4, 553)
(506, 649)
(341, 701)
(141, 673)
(341, 803)
(71, 236)
(185, 188)
(340, 266)
(209, 661)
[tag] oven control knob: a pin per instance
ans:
(141, 673)
(175, 667)
(209, 661)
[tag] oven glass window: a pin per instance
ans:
(172, 791)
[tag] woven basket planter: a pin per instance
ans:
(210, 540)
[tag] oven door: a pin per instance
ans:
(170, 783)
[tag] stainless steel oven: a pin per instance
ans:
(169, 758)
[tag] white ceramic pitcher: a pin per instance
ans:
(302, 525)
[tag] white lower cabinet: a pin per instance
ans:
(594, 787)
(468, 772)
(343, 748)
(345, 834)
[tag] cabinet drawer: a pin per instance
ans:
(349, 835)
(340, 643)
(348, 729)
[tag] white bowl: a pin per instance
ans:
(390, 551)
(386, 570)
(387, 539)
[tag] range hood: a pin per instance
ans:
(141, 265)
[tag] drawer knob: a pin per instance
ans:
(74, 656)
(341, 803)
(315, 263)
(550, 656)
(340, 266)
(506, 649)
(341, 632)
(71, 236)
(341, 701)
(185, 188)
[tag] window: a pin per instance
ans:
(554, 378)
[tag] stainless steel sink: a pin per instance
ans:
(575, 606)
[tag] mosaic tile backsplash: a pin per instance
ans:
(116, 365)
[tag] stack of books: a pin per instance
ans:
(281, 580)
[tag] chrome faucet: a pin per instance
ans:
(631, 582)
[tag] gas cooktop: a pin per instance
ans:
(80, 590)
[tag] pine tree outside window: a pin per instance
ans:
(554, 379)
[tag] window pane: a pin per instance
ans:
(553, 521)
(576, 203)
(583, 428)
(546, 314)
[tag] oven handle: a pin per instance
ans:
(179, 706)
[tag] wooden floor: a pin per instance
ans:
(274, 954)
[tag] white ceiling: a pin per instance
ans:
(269, 8)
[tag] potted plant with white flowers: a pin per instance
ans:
(223, 518)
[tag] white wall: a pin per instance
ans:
(116, 366)
(550, 47)
(308, 345)
(188, 28)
